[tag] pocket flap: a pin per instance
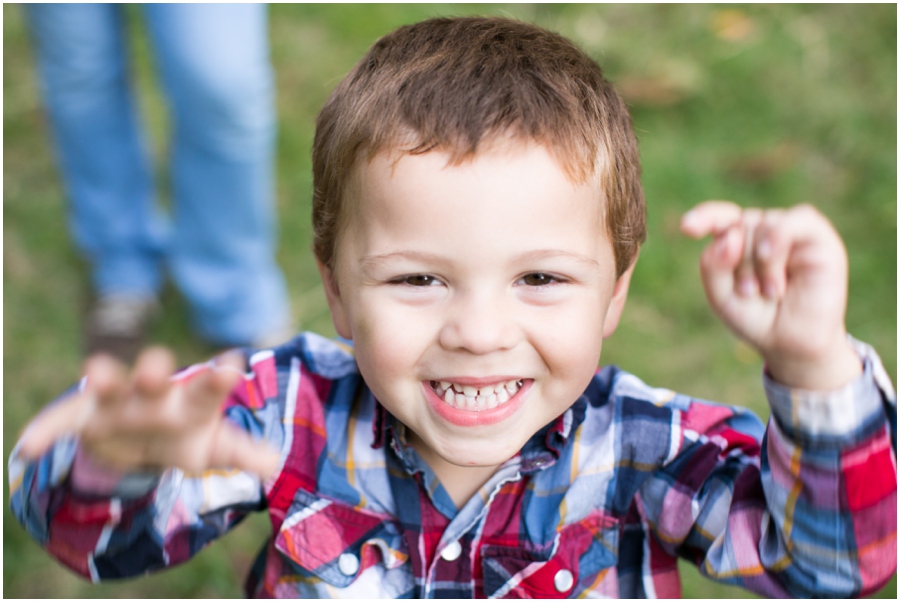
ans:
(318, 531)
(581, 549)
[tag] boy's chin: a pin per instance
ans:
(467, 452)
(489, 455)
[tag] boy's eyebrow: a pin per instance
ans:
(370, 261)
(540, 254)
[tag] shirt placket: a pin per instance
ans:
(455, 546)
(460, 539)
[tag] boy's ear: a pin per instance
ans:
(335, 303)
(617, 303)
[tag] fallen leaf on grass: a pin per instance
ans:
(733, 25)
(765, 165)
(650, 91)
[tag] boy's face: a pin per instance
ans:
(477, 295)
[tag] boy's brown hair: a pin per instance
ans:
(455, 84)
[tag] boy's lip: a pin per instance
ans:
(469, 418)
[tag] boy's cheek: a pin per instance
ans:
(388, 340)
(578, 328)
(386, 322)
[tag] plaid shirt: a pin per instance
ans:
(599, 502)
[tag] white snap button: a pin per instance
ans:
(563, 580)
(452, 551)
(348, 564)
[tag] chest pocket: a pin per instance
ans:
(583, 557)
(337, 543)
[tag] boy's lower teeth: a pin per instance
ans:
(476, 400)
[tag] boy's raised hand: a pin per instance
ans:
(778, 279)
(147, 421)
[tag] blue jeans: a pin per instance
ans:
(219, 243)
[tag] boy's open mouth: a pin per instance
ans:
(476, 399)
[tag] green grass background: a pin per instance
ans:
(765, 105)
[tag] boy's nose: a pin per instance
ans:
(479, 325)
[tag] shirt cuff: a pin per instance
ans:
(840, 416)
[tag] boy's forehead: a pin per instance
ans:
(377, 180)
(394, 183)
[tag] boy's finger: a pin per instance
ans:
(772, 252)
(717, 265)
(236, 449)
(804, 238)
(153, 372)
(804, 225)
(746, 283)
(227, 371)
(209, 388)
(105, 378)
(231, 362)
(710, 217)
(68, 416)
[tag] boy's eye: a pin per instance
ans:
(538, 279)
(418, 280)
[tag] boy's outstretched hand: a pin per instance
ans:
(147, 421)
(778, 279)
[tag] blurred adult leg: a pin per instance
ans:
(214, 62)
(81, 56)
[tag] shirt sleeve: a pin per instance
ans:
(811, 511)
(104, 524)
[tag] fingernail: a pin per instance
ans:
(764, 249)
(722, 247)
(747, 286)
(688, 218)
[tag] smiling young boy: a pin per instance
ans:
(478, 215)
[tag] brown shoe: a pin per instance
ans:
(117, 325)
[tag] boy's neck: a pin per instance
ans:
(460, 482)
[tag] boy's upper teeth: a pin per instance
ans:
(511, 387)
(479, 398)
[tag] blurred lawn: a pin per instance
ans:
(765, 105)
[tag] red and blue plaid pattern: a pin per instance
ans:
(600, 502)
